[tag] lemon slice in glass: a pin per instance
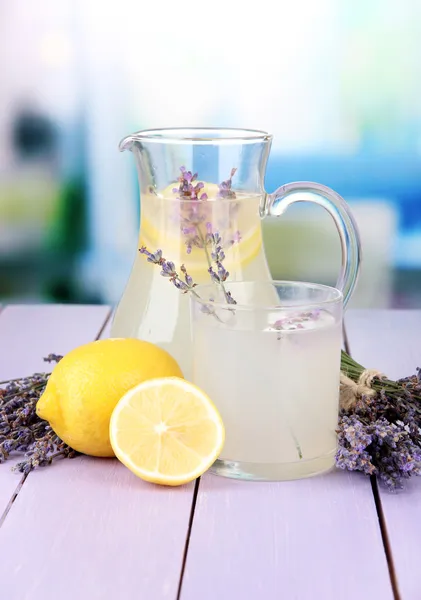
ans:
(166, 431)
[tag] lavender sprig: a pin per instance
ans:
(192, 226)
(168, 270)
(217, 272)
(186, 189)
(44, 451)
(192, 218)
(221, 274)
(225, 188)
(194, 213)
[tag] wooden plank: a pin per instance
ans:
(27, 334)
(301, 540)
(101, 532)
(88, 528)
(390, 341)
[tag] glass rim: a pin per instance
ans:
(337, 296)
(197, 135)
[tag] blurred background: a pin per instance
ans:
(338, 83)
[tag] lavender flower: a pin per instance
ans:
(168, 269)
(225, 190)
(53, 358)
(295, 321)
(194, 211)
(229, 298)
(152, 258)
(217, 255)
(353, 440)
(186, 189)
(214, 276)
(188, 279)
(221, 274)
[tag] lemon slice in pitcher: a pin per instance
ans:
(166, 431)
(161, 228)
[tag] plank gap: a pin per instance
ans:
(12, 499)
(385, 538)
(189, 530)
(104, 325)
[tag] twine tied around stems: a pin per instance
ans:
(351, 391)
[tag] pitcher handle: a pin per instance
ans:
(307, 191)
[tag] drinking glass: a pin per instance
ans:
(272, 369)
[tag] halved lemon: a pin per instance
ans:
(166, 431)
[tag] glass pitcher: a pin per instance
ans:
(202, 201)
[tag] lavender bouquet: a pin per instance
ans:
(380, 424)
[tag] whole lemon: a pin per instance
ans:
(87, 383)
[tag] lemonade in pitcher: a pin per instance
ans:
(182, 229)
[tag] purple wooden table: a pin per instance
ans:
(89, 529)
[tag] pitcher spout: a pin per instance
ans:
(127, 143)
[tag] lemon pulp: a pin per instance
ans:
(166, 431)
